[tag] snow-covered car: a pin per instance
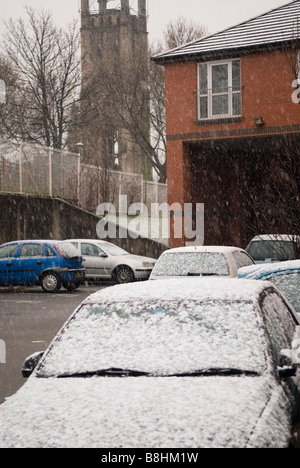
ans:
(201, 261)
(164, 364)
(270, 248)
(285, 276)
(103, 260)
(50, 264)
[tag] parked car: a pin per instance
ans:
(50, 264)
(274, 248)
(103, 260)
(285, 275)
(164, 364)
(201, 261)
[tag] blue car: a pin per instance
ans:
(285, 275)
(50, 264)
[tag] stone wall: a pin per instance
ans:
(29, 217)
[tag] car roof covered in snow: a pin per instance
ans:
(276, 237)
(265, 270)
(205, 248)
(180, 289)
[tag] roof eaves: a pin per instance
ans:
(221, 53)
(170, 56)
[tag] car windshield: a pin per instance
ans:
(272, 250)
(289, 285)
(158, 338)
(112, 249)
(192, 264)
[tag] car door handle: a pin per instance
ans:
(9, 264)
(39, 263)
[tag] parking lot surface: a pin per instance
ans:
(29, 320)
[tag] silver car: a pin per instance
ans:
(103, 260)
(164, 364)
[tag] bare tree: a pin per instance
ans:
(182, 31)
(47, 78)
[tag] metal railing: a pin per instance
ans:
(31, 169)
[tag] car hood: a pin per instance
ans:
(135, 412)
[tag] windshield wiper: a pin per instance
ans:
(217, 371)
(202, 274)
(116, 372)
(111, 372)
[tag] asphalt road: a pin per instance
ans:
(29, 320)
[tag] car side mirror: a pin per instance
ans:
(31, 363)
(103, 255)
(287, 368)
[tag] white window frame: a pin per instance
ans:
(209, 94)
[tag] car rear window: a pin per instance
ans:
(192, 264)
(67, 250)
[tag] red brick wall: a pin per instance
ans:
(267, 91)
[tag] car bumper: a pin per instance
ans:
(142, 273)
(74, 276)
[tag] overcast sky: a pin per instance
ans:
(214, 14)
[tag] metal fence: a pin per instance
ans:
(36, 170)
(33, 169)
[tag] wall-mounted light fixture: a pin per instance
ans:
(259, 121)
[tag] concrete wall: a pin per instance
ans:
(29, 217)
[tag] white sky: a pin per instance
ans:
(214, 14)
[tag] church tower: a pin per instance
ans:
(113, 42)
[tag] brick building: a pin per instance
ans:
(233, 127)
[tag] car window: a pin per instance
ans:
(90, 250)
(289, 285)
(271, 250)
(49, 251)
(242, 259)
(160, 337)
(279, 322)
(8, 251)
(32, 250)
(114, 250)
(192, 263)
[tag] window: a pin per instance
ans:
(279, 322)
(8, 251)
(192, 264)
(219, 90)
(242, 259)
(49, 251)
(91, 250)
(32, 250)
